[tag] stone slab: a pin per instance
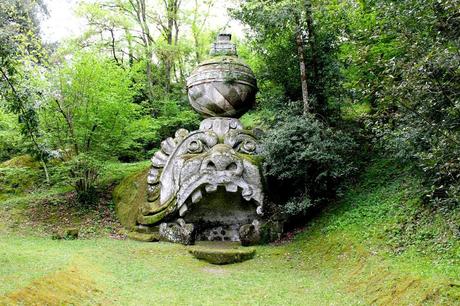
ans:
(222, 253)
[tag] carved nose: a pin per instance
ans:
(220, 163)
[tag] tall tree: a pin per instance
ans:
(21, 50)
(286, 33)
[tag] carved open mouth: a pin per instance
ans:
(193, 193)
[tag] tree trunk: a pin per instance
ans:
(303, 71)
(130, 48)
(112, 46)
(140, 14)
(318, 88)
(45, 168)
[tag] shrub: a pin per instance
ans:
(10, 137)
(306, 159)
(83, 173)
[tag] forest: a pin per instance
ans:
(358, 113)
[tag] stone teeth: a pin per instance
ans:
(231, 187)
(197, 196)
(247, 193)
(210, 188)
(183, 210)
(151, 179)
(259, 210)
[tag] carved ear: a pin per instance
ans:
(168, 181)
(159, 161)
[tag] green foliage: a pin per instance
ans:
(87, 116)
(409, 74)
(83, 174)
(20, 53)
(387, 205)
(149, 131)
(10, 137)
(309, 157)
(395, 61)
(15, 181)
(273, 41)
(89, 109)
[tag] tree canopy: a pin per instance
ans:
(378, 77)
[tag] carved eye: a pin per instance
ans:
(195, 146)
(248, 146)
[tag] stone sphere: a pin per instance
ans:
(222, 87)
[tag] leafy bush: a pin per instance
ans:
(82, 173)
(86, 116)
(403, 60)
(307, 159)
(148, 132)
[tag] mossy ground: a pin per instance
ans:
(371, 247)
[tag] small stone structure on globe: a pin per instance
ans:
(207, 184)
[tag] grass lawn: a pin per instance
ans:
(361, 251)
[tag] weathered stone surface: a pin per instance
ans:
(249, 234)
(71, 233)
(271, 231)
(146, 229)
(221, 156)
(145, 237)
(223, 46)
(178, 232)
(210, 177)
(223, 86)
(222, 255)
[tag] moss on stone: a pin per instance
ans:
(222, 255)
(256, 160)
(17, 180)
(22, 161)
(154, 219)
(67, 234)
(129, 195)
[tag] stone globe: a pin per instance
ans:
(223, 86)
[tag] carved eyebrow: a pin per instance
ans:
(236, 137)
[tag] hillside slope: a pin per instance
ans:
(377, 245)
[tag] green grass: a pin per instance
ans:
(371, 247)
(127, 272)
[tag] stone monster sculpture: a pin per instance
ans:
(207, 184)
